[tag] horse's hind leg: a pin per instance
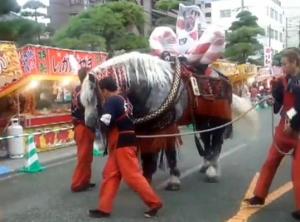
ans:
(174, 181)
(149, 164)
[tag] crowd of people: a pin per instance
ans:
(123, 160)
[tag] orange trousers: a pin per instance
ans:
(123, 163)
(285, 143)
(84, 138)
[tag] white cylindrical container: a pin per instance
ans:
(15, 145)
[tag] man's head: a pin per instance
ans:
(82, 74)
(107, 86)
(291, 61)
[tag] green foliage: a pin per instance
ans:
(277, 59)
(7, 6)
(242, 39)
(112, 26)
(167, 5)
(278, 56)
(19, 30)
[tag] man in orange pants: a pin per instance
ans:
(84, 137)
(123, 160)
(286, 92)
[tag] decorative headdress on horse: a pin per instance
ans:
(194, 39)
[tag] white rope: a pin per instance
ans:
(206, 130)
(153, 136)
(290, 153)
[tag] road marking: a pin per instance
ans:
(197, 167)
(245, 211)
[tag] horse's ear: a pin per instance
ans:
(92, 78)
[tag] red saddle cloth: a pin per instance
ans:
(215, 97)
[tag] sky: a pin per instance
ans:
(22, 2)
(46, 2)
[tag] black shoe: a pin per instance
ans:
(98, 214)
(296, 215)
(255, 201)
(92, 185)
(151, 213)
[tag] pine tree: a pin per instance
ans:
(14, 27)
(242, 38)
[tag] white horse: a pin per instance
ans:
(159, 97)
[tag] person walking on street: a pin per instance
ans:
(123, 161)
(84, 138)
(286, 93)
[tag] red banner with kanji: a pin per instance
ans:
(55, 61)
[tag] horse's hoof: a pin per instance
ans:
(172, 187)
(212, 175)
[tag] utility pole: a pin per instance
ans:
(243, 5)
(269, 28)
(299, 34)
(86, 4)
(286, 32)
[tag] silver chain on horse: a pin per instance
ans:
(169, 100)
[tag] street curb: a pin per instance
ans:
(46, 163)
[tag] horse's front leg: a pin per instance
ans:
(174, 181)
(213, 171)
(206, 139)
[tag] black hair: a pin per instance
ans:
(108, 83)
(82, 73)
(292, 55)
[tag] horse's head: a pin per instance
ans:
(89, 97)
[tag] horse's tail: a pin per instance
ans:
(249, 124)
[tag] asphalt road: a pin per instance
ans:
(46, 196)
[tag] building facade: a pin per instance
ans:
(60, 11)
(205, 6)
(270, 13)
(292, 22)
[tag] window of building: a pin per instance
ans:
(272, 34)
(207, 5)
(280, 18)
(268, 11)
(276, 35)
(276, 16)
(75, 2)
(281, 37)
(272, 13)
(225, 13)
(208, 14)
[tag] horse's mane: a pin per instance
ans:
(146, 67)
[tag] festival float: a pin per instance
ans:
(237, 74)
(36, 84)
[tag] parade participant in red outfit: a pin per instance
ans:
(123, 161)
(84, 138)
(286, 93)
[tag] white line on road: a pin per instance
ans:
(197, 168)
